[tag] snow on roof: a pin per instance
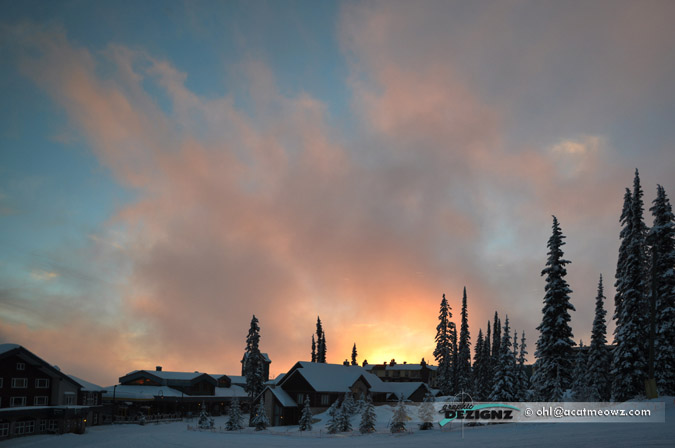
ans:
(7, 347)
(283, 397)
(335, 377)
(370, 367)
(264, 355)
(231, 392)
(168, 375)
(86, 385)
(237, 379)
(406, 389)
(139, 392)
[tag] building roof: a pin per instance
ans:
(370, 367)
(283, 397)
(231, 392)
(135, 392)
(86, 385)
(7, 347)
(167, 378)
(406, 389)
(333, 377)
(33, 359)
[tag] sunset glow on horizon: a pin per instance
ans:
(170, 169)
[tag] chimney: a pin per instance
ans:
(158, 369)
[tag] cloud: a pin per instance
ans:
(260, 208)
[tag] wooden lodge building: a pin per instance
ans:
(36, 397)
(326, 383)
(394, 372)
(151, 392)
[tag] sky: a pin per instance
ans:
(170, 168)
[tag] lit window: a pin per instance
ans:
(19, 383)
(40, 401)
(17, 401)
(42, 383)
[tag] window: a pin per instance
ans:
(40, 401)
(325, 400)
(300, 399)
(43, 425)
(24, 427)
(42, 383)
(17, 401)
(70, 399)
(20, 366)
(4, 429)
(53, 425)
(19, 383)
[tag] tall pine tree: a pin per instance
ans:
(480, 370)
(662, 241)
(489, 364)
(598, 356)
(504, 388)
(313, 349)
(523, 383)
(253, 361)
(354, 354)
(553, 368)
(443, 351)
(320, 342)
(464, 383)
(630, 355)
(496, 339)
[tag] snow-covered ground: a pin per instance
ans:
(551, 435)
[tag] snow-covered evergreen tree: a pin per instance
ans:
(553, 368)
(368, 417)
(306, 418)
(496, 339)
(488, 376)
(504, 388)
(597, 374)
(455, 355)
(205, 420)
(464, 379)
(662, 241)
(400, 417)
(580, 389)
(260, 420)
(630, 355)
(427, 412)
(253, 361)
(443, 351)
(349, 404)
(333, 425)
(234, 417)
(354, 354)
(344, 418)
(479, 370)
(523, 380)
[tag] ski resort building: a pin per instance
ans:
(326, 383)
(36, 397)
(394, 372)
(150, 392)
